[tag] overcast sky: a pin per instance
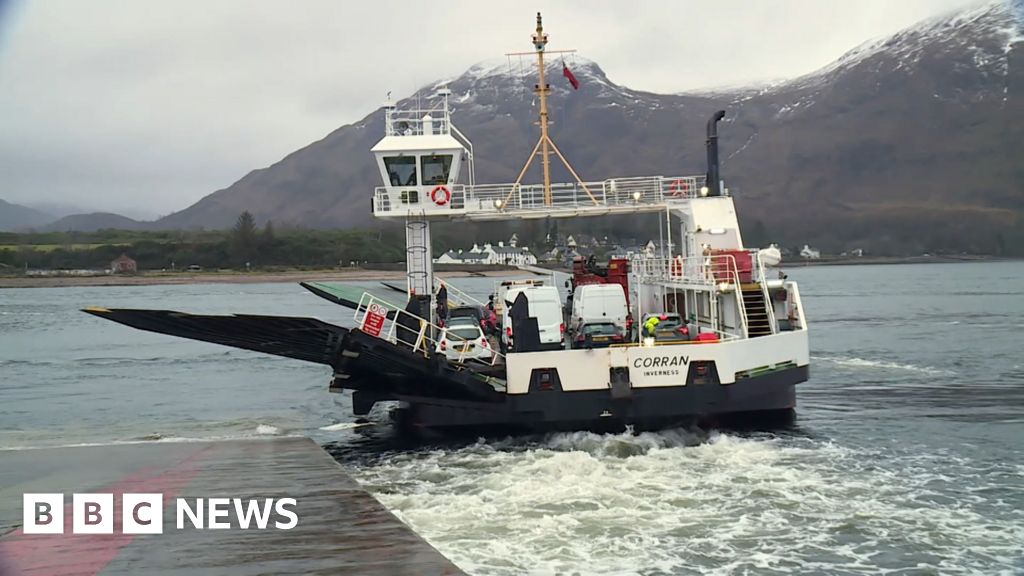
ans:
(144, 107)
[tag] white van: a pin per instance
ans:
(545, 306)
(598, 303)
(501, 291)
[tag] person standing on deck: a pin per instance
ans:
(442, 304)
(652, 324)
(492, 320)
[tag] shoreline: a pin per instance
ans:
(366, 275)
(889, 260)
(866, 261)
(163, 278)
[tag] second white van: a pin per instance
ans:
(599, 303)
(545, 306)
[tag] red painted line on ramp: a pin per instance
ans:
(70, 554)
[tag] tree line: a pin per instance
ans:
(270, 246)
(235, 248)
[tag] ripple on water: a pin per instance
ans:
(682, 503)
(854, 362)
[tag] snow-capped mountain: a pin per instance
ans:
(915, 139)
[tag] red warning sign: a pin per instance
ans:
(374, 319)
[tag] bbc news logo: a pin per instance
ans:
(144, 513)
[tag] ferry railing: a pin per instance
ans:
(362, 308)
(460, 297)
(411, 122)
(769, 306)
(707, 272)
(420, 339)
(614, 193)
(795, 307)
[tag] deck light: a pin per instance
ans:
(703, 190)
(636, 196)
(498, 203)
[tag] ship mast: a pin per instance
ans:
(544, 144)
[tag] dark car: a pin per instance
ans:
(480, 316)
(467, 311)
(597, 335)
(671, 329)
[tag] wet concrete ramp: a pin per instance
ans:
(341, 529)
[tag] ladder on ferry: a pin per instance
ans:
(419, 267)
(756, 308)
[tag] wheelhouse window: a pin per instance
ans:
(435, 168)
(401, 170)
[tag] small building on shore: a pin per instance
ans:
(123, 265)
(809, 253)
(461, 257)
(511, 255)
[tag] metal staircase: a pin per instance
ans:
(756, 308)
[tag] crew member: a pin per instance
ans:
(491, 321)
(442, 304)
(652, 323)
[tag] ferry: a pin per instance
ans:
(742, 346)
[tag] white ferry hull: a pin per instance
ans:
(749, 382)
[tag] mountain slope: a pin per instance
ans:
(911, 141)
(17, 217)
(93, 222)
(914, 138)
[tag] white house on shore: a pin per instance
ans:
(810, 253)
(510, 255)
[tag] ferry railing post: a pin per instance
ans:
(392, 337)
(766, 294)
(421, 336)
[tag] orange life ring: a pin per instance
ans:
(678, 188)
(440, 195)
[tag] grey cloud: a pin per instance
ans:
(155, 104)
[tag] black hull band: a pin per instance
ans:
(763, 399)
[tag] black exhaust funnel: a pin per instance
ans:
(713, 177)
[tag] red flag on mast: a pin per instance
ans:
(569, 76)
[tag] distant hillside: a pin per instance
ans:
(17, 217)
(911, 143)
(93, 222)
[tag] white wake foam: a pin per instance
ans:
(657, 503)
(267, 430)
(343, 426)
(885, 365)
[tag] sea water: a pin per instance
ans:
(905, 459)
